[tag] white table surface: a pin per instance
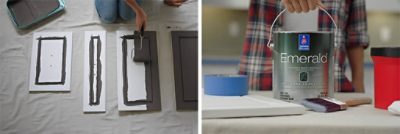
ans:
(364, 119)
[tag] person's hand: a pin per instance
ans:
(301, 5)
(141, 16)
(175, 3)
(141, 19)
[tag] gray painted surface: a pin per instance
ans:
(185, 49)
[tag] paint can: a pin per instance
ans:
(386, 75)
(303, 63)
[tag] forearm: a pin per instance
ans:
(356, 60)
(140, 15)
(134, 5)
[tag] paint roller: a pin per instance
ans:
(141, 51)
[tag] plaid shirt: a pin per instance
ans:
(256, 60)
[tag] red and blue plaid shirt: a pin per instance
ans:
(256, 60)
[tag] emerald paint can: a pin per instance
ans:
(303, 64)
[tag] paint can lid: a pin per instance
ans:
(385, 51)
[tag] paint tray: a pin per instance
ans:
(25, 13)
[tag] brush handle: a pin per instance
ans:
(142, 31)
(358, 101)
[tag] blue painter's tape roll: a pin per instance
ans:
(226, 85)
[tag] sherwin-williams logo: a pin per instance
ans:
(303, 76)
(304, 42)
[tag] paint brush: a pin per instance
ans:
(324, 104)
(358, 101)
(332, 105)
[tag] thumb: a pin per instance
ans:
(319, 3)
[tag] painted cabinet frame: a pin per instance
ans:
(153, 100)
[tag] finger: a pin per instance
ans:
(178, 4)
(304, 5)
(144, 25)
(180, 1)
(296, 5)
(319, 3)
(175, 3)
(288, 6)
(169, 3)
(311, 4)
(139, 25)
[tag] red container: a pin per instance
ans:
(387, 75)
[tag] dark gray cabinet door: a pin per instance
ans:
(184, 45)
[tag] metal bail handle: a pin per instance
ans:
(273, 23)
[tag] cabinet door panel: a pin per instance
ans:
(185, 51)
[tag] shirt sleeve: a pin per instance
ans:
(356, 28)
(256, 61)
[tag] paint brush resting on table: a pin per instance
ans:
(358, 101)
(323, 104)
(332, 105)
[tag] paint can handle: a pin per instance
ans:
(280, 14)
